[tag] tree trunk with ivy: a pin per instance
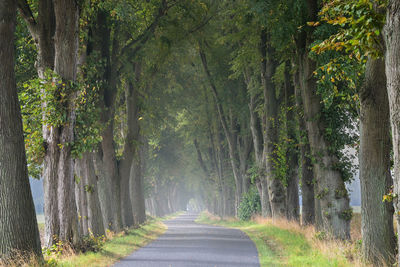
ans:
(331, 190)
(392, 63)
(332, 193)
(18, 226)
(292, 155)
(276, 189)
(307, 175)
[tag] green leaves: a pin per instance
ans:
(250, 205)
(360, 24)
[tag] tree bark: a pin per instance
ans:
(42, 31)
(137, 197)
(307, 174)
(332, 193)
(258, 142)
(80, 198)
(276, 190)
(18, 225)
(392, 63)
(66, 45)
(375, 178)
(91, 188)
(133, 152)
(130, 147)
(292, 190)
(105, 160)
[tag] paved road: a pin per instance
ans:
(188, 244)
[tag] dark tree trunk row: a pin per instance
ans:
(18, 226)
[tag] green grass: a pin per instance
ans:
(280, 247)
(119, 246)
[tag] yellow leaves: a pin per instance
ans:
(313, 23)
(338, 20)
(341, 20)
(387, 198)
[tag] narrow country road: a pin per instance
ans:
(187, 244)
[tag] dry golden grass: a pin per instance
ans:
(19, 260)
(355, 227)
(330, 247)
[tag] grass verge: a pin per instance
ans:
(283, 243)
(118, 247)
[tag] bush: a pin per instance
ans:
(91, 243)
(249, 205)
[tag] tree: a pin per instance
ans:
(56, 33)
(18, 226)
(336, 212)
(392, 61)
(361, 39)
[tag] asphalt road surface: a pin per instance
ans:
(188, 244)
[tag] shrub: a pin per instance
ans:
(91, 243)
(249, 205)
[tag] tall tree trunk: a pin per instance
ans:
(65, 64)
(262, 185)
(42, 31)
(109, 181)
(392, 63)
(292, 190)
(332, 193)
(375, 178)
(307, 174)
(224, 168)
(131, 146)
(136, 175)
(276, 190)
(230, 135)
(106, 161)
(18, 226)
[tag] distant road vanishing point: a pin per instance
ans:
(188, 244)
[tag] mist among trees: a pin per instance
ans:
(130, 107)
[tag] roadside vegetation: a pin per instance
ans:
(100, 251)
(115, 248)
(285, 243)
